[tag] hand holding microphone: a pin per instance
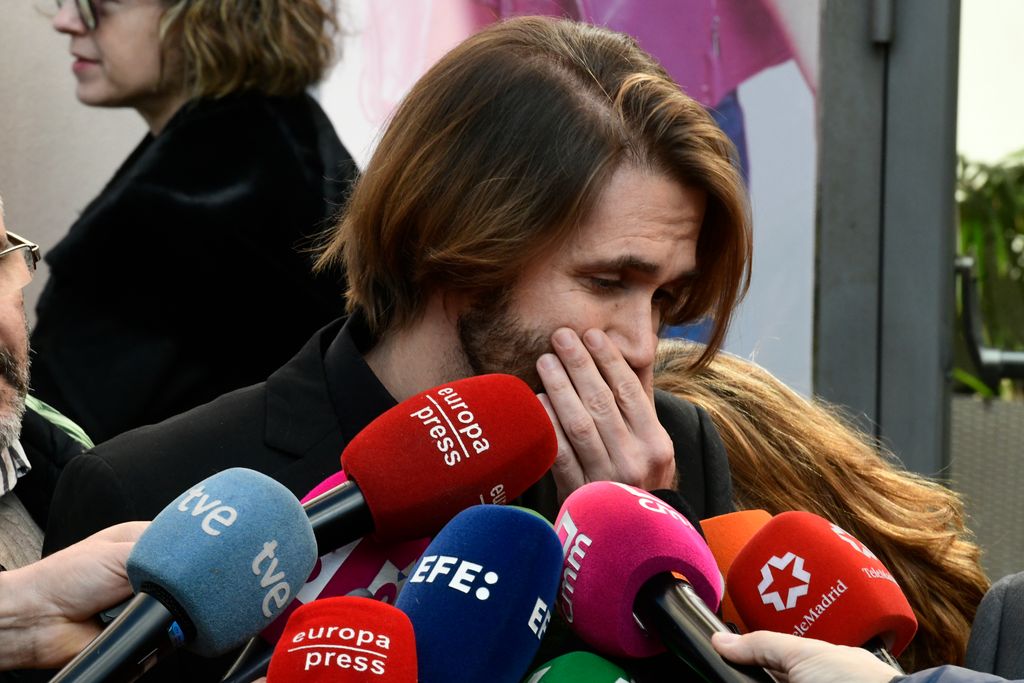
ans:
(47, 608)
(804, 660)
(213, 568)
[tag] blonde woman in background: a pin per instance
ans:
(190, 275)
(787, 453)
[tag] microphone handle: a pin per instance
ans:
(251, 664)
(876, 647)
(338, 517)
(671, 608)
(130, 646)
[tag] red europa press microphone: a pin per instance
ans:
(803, 575)
(483, 439)
(345, 639)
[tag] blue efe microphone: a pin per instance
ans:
(213, 568)
(481, 596)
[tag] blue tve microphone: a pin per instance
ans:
(481, 596)
(215, 567)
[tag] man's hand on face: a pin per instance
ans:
(603, 415)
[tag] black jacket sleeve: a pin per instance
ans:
(950, 674)
(702, 465)
(109, 502)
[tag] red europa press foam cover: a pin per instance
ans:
(615, 538)
(345, 639)
(803, 575)
(726, 535)
(483, 439)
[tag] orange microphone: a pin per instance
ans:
(726, 535)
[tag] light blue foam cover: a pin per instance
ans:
(231, 551)
(482, 594)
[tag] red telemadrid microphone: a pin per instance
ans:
(726, 536)
(804, 575)
(345, 639)
(484, 439)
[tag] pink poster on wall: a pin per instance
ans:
(751, 63)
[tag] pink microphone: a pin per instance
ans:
(615, 538)
(638, 578)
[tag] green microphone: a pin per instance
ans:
(579, 667)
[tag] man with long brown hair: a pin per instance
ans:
(542, 203)
(563, 195)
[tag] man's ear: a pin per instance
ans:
(454, 303)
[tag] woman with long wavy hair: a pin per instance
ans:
(788, 453)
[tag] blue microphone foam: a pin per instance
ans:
(231, 552)
(481, 596)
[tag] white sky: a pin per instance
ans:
(991, 95)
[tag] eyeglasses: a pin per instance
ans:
(86, 10)
(17, 271)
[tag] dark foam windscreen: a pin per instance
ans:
(483, 439)
(726, 535)
(231, 551)
(615, 538)
(481, 596)
(356, 640)
(579, 667)
(803, 575)
(365, 567)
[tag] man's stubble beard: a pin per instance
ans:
(492, 339)
(15, 373)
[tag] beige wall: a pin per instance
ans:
(55, 154)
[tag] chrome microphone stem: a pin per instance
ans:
(672, 610)
(338, 517)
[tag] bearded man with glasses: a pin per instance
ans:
(35, 441)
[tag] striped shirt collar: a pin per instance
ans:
(14, 464)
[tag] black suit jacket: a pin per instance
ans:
(48, 449)
(190, 274)
(293, 427)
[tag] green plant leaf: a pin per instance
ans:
(972, 382)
